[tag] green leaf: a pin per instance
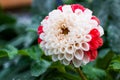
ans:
(53, 74)
(30, 38)
(2, 42)
(69, 76)
(6, 19)
(103, 52)
(23, 52)
(3, 53)
(25, 39)
(24, 76)
(94, 73)
(17, 69)
(9, 50)
(104, 61)
(115, 64)
(12, 51)
(35, 53)
(60, 67)
(39, 68)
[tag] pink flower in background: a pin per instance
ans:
(71, 34)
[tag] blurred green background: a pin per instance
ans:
(22, 59)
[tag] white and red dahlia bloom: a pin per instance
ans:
(71, 34)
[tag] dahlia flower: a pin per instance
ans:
(71, 34)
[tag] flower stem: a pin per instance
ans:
(81, 74)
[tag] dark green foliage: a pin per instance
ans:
(115, 64)
(39, 68)
(22, 59)
(8, 50)
(6, 19)
(94, 73)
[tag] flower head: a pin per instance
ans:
(71, 34)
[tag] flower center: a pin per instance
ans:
(65, 30)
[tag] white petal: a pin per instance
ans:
(78, 11)
(76, 62)
(54, 13)
(100, 29)
(44, 23)
(50, 52)
(46, 52)
(87, 38)
(67, 9)
(65, 62)
(45, 28)
(68, 57)
(42, 44)
(88, 13)
(42, 36)
(79, 54)
(57, 44)
(85, 59)
(55, 51)
(47, 45)
(61, 56)
(93, 23)
(84, 46)
(55, 57)
(62, 49)
(79, 38)
(53, 45)
(77, 45)
(48, 37)
(69, 49)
